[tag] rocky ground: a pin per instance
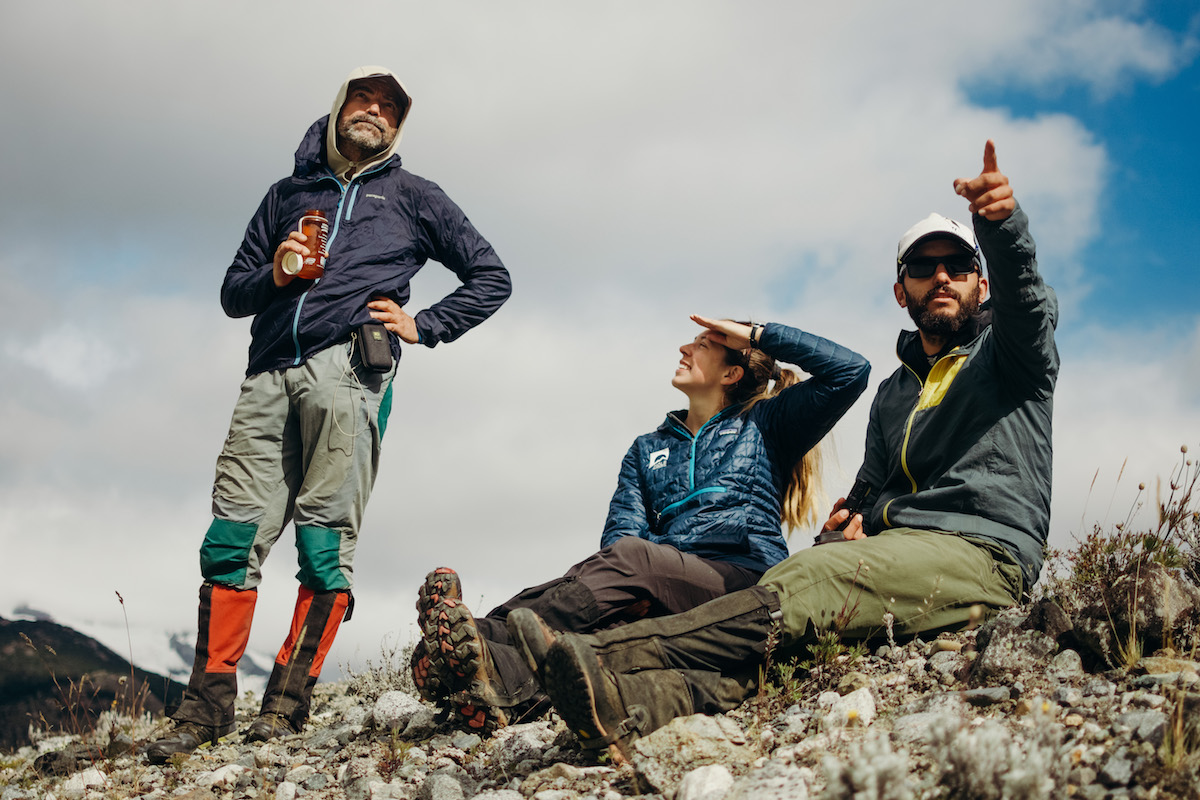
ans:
(1002, 712)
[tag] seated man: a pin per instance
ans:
(958, 458)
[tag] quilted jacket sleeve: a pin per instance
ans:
(798, 417)
(627, 513)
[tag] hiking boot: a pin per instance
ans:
(459, 659)
(443, 582)
(475, 715)
(269, 726)
(532, 637)
(429, 686)
(183, 738)
(588, 699)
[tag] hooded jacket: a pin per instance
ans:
(964, 445)
(385, 223)
(718, 494)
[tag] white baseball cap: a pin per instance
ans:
(935, 226)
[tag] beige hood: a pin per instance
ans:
(338, 163)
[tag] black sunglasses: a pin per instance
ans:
(921, 267)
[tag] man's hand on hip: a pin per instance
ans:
(395, 319)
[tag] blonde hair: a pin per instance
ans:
(803, 494)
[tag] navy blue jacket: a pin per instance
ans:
(719, 494)
(384, 226)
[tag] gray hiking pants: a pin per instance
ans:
(303, 445)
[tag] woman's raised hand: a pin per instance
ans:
(733, 335)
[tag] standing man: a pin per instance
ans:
(304, 442)
(958, 461)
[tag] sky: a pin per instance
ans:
(632, 163)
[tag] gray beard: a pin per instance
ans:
(370, 139)
(941, 324)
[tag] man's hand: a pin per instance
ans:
(854, 530)
(395, 319)
(292, 244)
(989, 194)
(733, 335)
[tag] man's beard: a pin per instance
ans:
(942, 323)
(375, 137)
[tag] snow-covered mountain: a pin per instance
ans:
(165, 652)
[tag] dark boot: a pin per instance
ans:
(207, 712)
(614, 686)
(532, 637)
(606, 709)
(289, 691)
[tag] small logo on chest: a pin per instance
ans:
(658, 459)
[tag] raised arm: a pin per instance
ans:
(1024, 308)
(800, 416)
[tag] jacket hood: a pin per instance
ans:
(337, 162)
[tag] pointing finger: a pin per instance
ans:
(989, 157)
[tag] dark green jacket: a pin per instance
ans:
(967, 447)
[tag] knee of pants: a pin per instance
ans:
(320, 553)
(225, 554)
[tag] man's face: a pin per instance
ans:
(370, 117)
(942, 303)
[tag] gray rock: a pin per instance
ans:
(1067, 665)
(1118, 770)
(1067, 696)
(516, 743)
(500, 794)
(285, 791)
(78, 784)
(666, 755)
(467, 741)
(1099, 687)
(711, 782)
(947, 662)
(1165, 679)
(856, 708)
(775, 781)
(914, 728)
(1148, 726)
(394, 710)
(1007, 650)
(441, 786)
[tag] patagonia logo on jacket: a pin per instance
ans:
(658, 459)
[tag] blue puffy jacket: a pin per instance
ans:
(719, 494)
(384, 225)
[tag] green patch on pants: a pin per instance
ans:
(225, 554)
(320, 562)
(385, 409)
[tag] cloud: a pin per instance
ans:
(631, 164)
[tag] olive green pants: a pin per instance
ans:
(707, 659)
(927, 580)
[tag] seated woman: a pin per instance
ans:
(697, 514)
